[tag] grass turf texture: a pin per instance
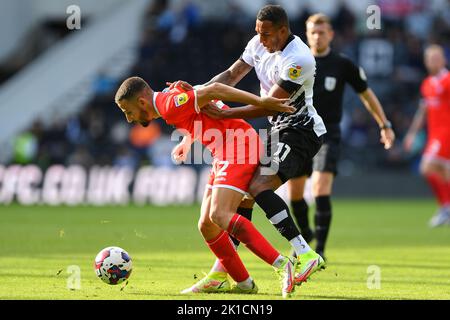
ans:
(39, 243)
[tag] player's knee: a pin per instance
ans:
(220, 218)
(205, 226)
(321, 190)
(322, 186)
(316, 188)
(201, 226)
(429, 168)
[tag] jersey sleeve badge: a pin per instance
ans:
(330, 83)
(181, 99)
(294, 72)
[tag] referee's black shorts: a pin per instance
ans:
(326, 159)
(293, 151)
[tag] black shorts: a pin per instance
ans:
(291, 152)
(326, 160)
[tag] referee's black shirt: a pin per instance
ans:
(333, 71)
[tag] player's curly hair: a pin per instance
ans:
(129, 88)
(274, 13)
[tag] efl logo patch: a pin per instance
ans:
(295, 72)
(181, 99)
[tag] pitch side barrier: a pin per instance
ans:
(178, 185)
(102, 185)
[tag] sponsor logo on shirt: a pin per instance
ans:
(294, 72)
(181, 99)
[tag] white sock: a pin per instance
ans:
(300, 245)
(246, 284)
(218, 267)
(278, 261)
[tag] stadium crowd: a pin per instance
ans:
(182, 44)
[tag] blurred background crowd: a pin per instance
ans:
(178, 40)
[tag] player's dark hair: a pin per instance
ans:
(129, 88)
(275, 14)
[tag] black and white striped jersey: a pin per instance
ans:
(293, 68)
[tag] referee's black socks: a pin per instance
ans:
(300, 212)
(278, 213)
(322, 220)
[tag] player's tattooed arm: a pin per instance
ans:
(233, 74)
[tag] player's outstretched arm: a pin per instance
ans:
(246, 112)
(220, 91)
(373, 105)
(233, 74)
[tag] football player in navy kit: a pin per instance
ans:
(333, 71)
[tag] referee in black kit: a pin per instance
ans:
(333, 71)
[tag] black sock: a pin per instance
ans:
(278, 213)
(300, 212)
(322, 221)
(245, 212)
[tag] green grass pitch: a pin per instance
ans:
(39, 243)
